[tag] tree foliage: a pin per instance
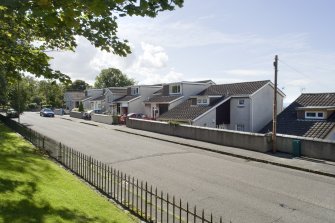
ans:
(78, 85)
(112, 77)
(30, 28)
(18, 96)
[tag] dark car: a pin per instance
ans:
(47, 112)
(11, 113)
(136, 115)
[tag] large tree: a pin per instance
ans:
(78, 85)
(3, 89)
(30, 28)
(112, 77)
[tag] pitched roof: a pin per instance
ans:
(244, 88)
(127, 98)
(287, 122)
(163, 99)
(100, 98)
(185, 111)
(118, 90)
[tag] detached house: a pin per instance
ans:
(172, 95)
(132, 102)
(310, 115)
(243, 106)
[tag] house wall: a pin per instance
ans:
(331, 135)
(192, 89)
(137, 106)
(240, 115)
(71, 97)
(109, 98)
(262, 107)
(87, 105)
(208, 120)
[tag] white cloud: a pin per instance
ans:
(152, 57)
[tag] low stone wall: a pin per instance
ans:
(314, 148)
(245, 140)
(59, 112)
(74, 114)
(107, 119)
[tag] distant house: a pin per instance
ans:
(94, 99)
(310, 115)
(172, 95)
(111, 95)
(72, 99)
(243, 106)
(132, 102)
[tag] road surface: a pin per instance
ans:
(237, 189)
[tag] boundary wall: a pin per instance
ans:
(309, 147)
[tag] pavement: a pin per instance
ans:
(316, 166)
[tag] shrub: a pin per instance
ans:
(81, 107)
(173, 123)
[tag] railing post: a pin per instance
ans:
(195, 214)
(173, 209)
(59, 151)
(187, 212)
(180, 210)
(146, 201)
(203, 216)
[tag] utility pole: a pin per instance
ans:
(274, 122)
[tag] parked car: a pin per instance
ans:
(136, 115)
(11, 113)
(47, 112)
(87, 114)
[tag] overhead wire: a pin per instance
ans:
(301, 73)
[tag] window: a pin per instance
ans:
(134, 91)
(240, 127)
(175, 89)
(314, 115)
(241, 102)
(202, 101)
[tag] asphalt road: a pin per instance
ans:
(237, 189)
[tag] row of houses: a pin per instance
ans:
(245, 106)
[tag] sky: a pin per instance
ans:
(226, 41)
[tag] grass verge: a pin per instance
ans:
(35, 189)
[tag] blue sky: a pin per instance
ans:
(226, 41)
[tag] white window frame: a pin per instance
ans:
(316, 115)
(203, 101)
(177, 86)
(134, 91)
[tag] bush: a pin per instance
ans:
(32, 106)
(81, 107)
(173, 123)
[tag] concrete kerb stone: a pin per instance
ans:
(236, 155)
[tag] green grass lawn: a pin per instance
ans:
(35, 189)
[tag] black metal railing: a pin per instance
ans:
(140, 198)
